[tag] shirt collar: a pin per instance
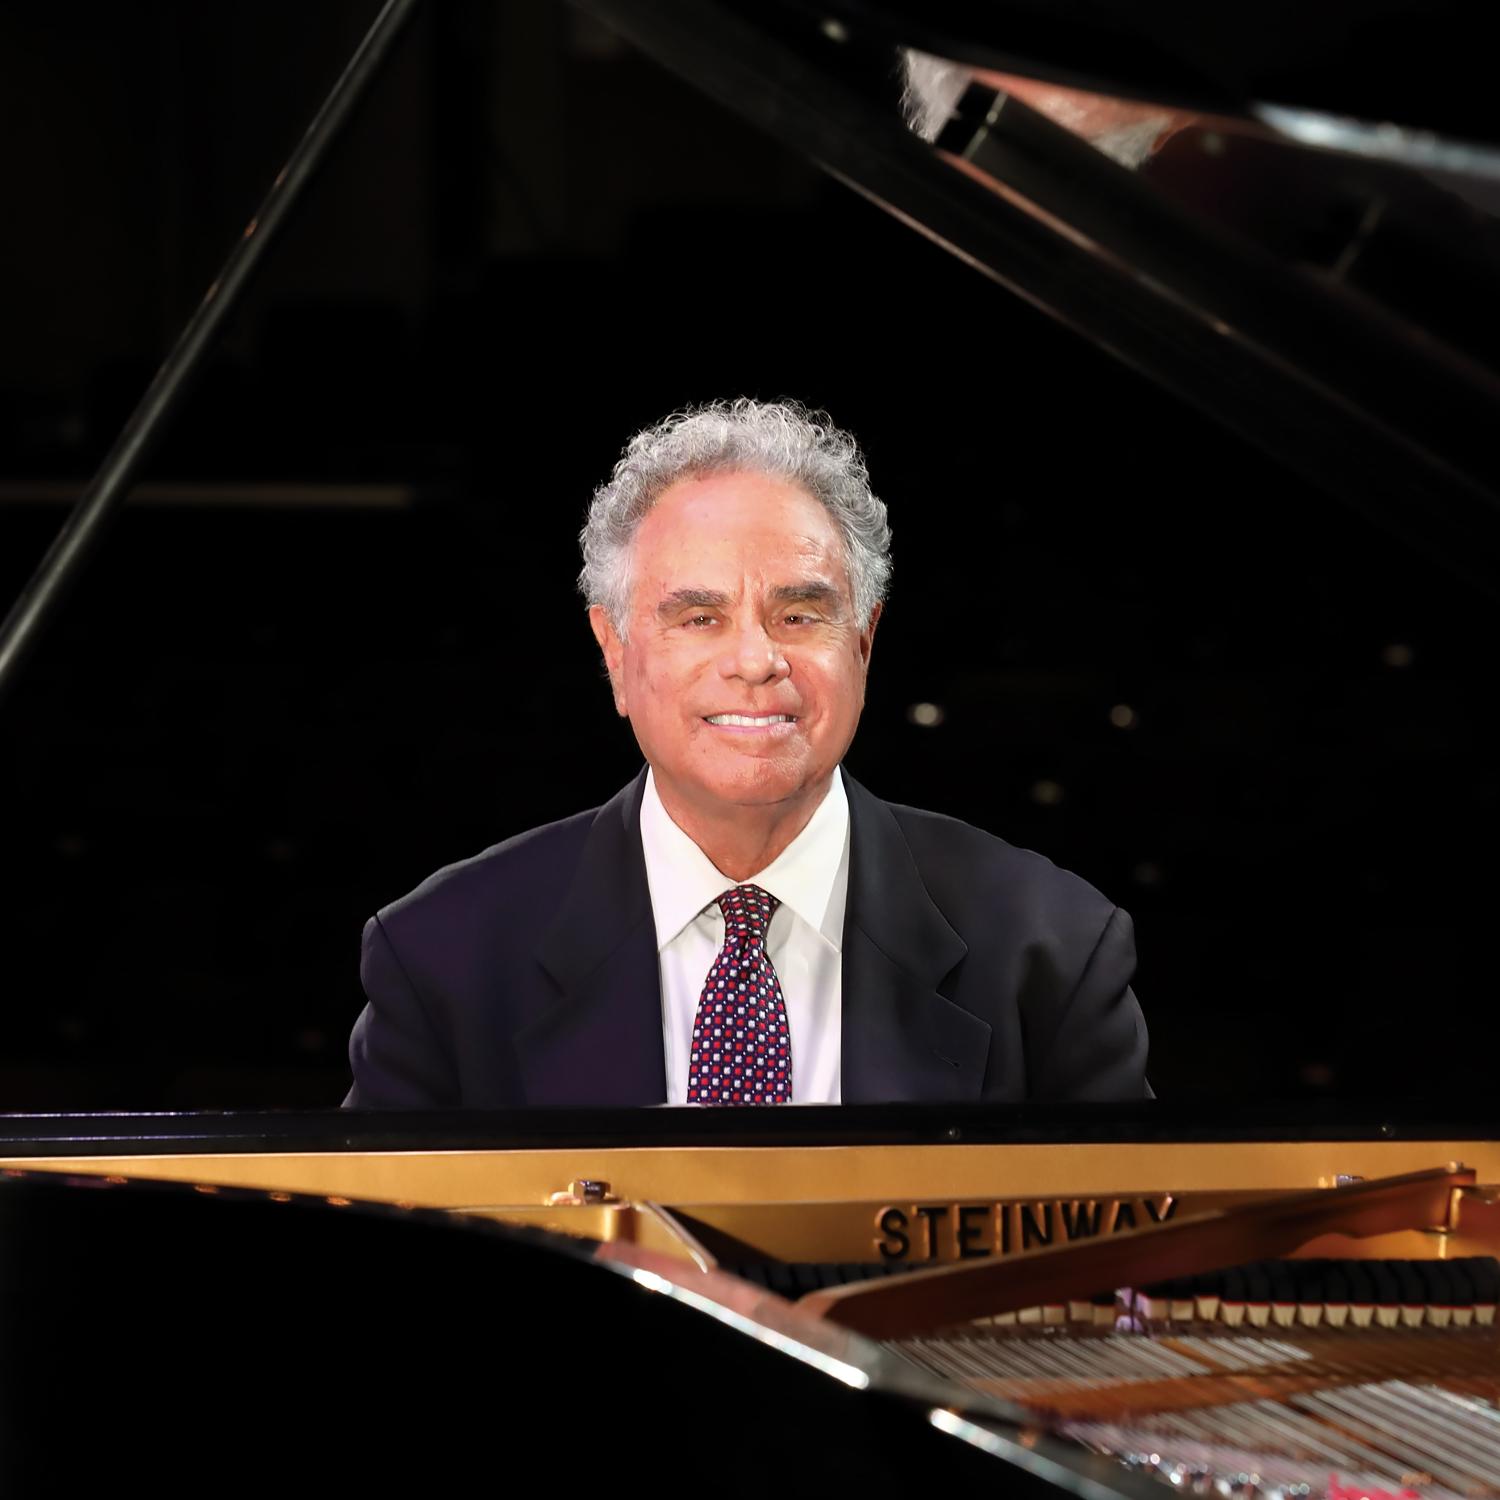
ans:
(811, 875)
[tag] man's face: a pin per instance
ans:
(740, 605)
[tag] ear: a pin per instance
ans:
(614, 654)
(867, 635)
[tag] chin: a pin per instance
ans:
(759, 785)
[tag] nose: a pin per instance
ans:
(753, 657)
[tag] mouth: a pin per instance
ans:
(762, 723)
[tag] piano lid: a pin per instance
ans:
(1412, 74)
(1307, 250)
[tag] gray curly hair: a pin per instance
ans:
(783, 438)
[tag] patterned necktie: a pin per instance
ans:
(742, 1049)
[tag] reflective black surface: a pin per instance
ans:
(196, 1344)
(1406, 61)
(845, 1125)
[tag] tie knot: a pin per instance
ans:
(747, 913)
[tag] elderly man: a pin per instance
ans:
(744, 923)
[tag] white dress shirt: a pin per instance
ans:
(810, 877)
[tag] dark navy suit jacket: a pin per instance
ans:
(528, 975)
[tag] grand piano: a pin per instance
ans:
(1093, 1302)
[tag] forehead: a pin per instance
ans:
(731, 525)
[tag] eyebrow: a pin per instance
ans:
(813, 591)
(680, 599)
(809, 591)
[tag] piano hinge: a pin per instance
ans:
(580, 1191)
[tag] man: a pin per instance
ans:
(744, 923)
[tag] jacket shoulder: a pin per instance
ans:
(530, 870)
(963, 865)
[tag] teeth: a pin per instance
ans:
(745, 721)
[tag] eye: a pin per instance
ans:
(697, 622)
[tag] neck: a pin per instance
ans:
(742, 841)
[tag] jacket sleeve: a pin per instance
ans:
(396, 1056)
(1097, 1049)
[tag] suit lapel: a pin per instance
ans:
(901, 1039)
(600, 1042)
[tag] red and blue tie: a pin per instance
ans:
(742, 1048)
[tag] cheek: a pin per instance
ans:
(659, 685)
(834, 686)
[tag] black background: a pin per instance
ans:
(258, 722)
